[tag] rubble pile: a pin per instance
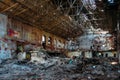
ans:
(56, 68)
(103, 70)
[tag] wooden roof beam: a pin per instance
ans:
(16, 1)
(26, 21)
(21, 11)
(4, 3)
(9, 7)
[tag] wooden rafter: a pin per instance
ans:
(42, 14)
(24, 10)
(4, 3)
(9, 7)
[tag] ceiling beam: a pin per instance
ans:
(22, 4)
(9, 7)
(4, 3)
(24, 10)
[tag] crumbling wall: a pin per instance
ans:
(3, 25)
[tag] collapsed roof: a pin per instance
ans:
(65, 18)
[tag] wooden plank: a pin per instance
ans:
(4, 3)
(9, 7)
(21, 12)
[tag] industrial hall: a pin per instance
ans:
(59, 39)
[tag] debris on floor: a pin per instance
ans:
(56, 68)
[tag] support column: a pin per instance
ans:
(118, 37)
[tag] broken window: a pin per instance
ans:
(49, 40)
(44, 41)
(114, 55)
(44, 38)
(106, 55)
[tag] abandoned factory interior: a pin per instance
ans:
(59, 39)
